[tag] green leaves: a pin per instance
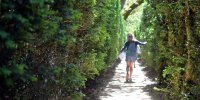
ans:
(88, 66)
(171, 70)
(69, 77)
(5, 72)
(10, 44)
(19, 69)
(37, 2)
(11, 74)
(56, 44)
(33, 78)
(3, 34)
(171, 46)
(8, 41)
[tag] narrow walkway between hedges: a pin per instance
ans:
(116, 89)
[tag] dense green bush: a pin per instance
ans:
(49, 48)
(171, 29)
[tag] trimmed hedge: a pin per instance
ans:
(49, 48)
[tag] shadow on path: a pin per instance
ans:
(111, 85)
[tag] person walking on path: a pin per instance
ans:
(130, 47)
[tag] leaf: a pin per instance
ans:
(3, 34)
(9, 82)
(57, 70)
(20, 69)
(33, 79)
(10, 44)
(5, 72)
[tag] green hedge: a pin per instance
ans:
(172, 31)
(49, 48)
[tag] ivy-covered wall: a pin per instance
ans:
(49, 48)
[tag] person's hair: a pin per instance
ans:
(129, 35)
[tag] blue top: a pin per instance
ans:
(131, 47)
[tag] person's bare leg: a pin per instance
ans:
(127, 70)
(131, 69)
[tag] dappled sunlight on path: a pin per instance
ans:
(116, 89)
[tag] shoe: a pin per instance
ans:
(126, 81)
(130, 80)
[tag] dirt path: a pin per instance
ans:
(116, 89)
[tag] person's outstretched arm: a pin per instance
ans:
(141, 43)
(125, 46)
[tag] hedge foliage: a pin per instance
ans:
(171, 28)
(49, 48)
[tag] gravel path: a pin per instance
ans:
(116, 89)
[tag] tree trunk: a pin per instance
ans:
(131, 8)
(188, 67)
